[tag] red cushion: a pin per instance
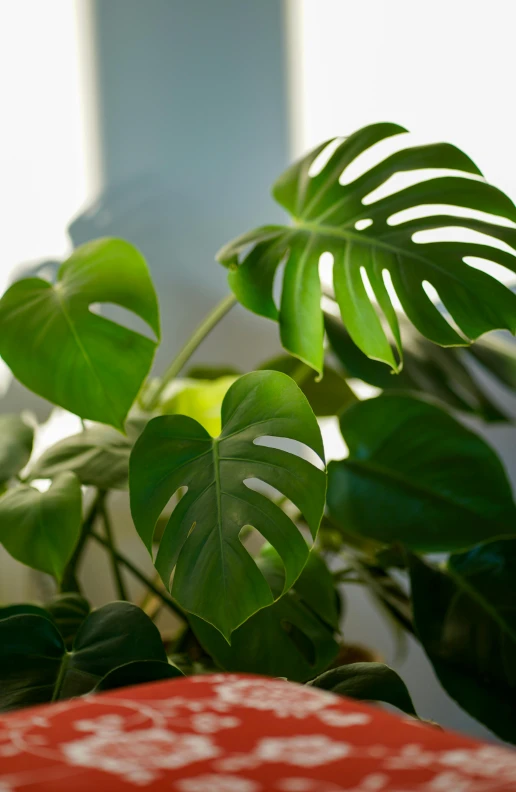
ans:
(232, 733)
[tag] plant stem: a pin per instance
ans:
(206, 326)
(121, 559)
(117, 572)
(69, 581)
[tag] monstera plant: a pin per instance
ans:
(253, 539)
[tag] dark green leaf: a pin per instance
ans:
(368, 682)
(99, 457)
(35, 667)
(427, 369)
(137, 673)
(40, 529)
(292, 638)
(466, 621)
(415, 475)
(328, 397)
(68, 612)
(56, 346)
(326, 214)
(215, 577)
(15, 446)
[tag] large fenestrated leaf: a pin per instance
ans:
(56, 346)
(36, 668)
(16, 438)
(40, 529)
(466, 621)
(215, 578)
(294, 637)
(417, 476)
(326, 214)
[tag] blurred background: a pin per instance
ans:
(166, 121)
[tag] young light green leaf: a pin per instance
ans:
(341, 219)
(466, 620)
(215, 578)
(36, 668)
(40, 529)
(56, 346)
(293, 638)
(15, 446)
(367, 682)
(416, 476)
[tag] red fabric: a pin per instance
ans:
(231, 733)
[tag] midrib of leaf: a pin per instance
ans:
(218, 490)
(382, 472)
(63, 667)
(43, 530)
(84, 353)
(472, 592)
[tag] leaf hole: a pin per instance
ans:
(458, 234)
(434, 297)
(361, 225)
(326, 270)
(294, 447)
(252, 541)
(274, 495)
(277, 284)
(497, 271)
(373, 156)
(123, 317)
(324, 157)
(166, 513)
(431, 210)
(400, 181)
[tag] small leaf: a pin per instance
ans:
(328, 396)
(201, 540)
(36, 668)
(329, 216)
(415, 475)
(368, 682)
(198, 399)
(99, 457)
(466, 621)
(15, 446)
(292, 638)
(41, 529)
(58, 348)
(137, 673)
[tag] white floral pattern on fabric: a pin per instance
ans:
(342, 720)
(217, 783)
(210, 723)
(304, 750)
(269, 694)
(488, 761)
(137, 755)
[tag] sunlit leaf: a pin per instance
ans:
(58, 347)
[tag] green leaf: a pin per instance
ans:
(328, 396)
(368, 682)
(15, 446)
(35, 667)
(215, 577)
(40, 529)
(466, 621)
(56, 346)
(292, 638)
(415, 475)
(427, 368)
(198, 399)
(137, 673)
(99, 457)
(326, 214)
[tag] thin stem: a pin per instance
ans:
(69, 581)
(206, 326)
(117, 572)
(140, 576)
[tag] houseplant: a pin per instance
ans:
(416, 480)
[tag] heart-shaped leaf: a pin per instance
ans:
(415, 475)
(40, 529)
(292, 638)
(56, 346)
(466, 621)
(36, 668)
(368, 682)
(99, 457)
(367, 238)
(215, 578)
(66, 611)
(15, 446)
